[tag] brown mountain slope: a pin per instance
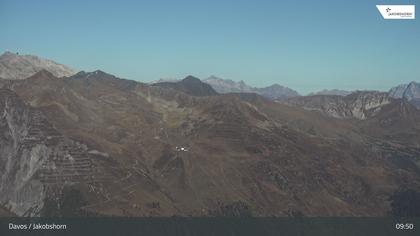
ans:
(170, 153)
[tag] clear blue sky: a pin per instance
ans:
(306, 45)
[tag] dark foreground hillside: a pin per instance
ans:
(96, 145)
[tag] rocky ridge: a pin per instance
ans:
(359, 105)
(14, 66)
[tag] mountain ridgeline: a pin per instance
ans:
(410, 91)
(272, 92)
(360, 105)
(14, 66)
(190, 85)
(93, 144)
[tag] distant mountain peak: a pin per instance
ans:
(213, 77)
(80, 73)
(8, 53)
(273, 92)
(100, 72)
(190, 85)
(97, 74)
(14, 66)
(191, 78)
(410, 91)
(338, 92)
(275, 86)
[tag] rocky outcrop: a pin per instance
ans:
(398, 91)
(14, 66)
(36, 161)
(410, 91)
(359, 105)
(366, 104)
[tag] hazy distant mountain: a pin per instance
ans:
(14, 66)
(228, 86)
(276, 91)
(331, 92)
(273, 92)
(410, 91)
(162, 80)
(190, 85)
(398, 91)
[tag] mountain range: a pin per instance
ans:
(332, 92)
(93, 144)
(224, 86)
(190, 85)
(360, 105)
(273, 92)
(14, 66)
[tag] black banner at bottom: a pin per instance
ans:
(216, 226)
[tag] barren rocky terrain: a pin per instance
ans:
(94, 144)
(14, 66)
